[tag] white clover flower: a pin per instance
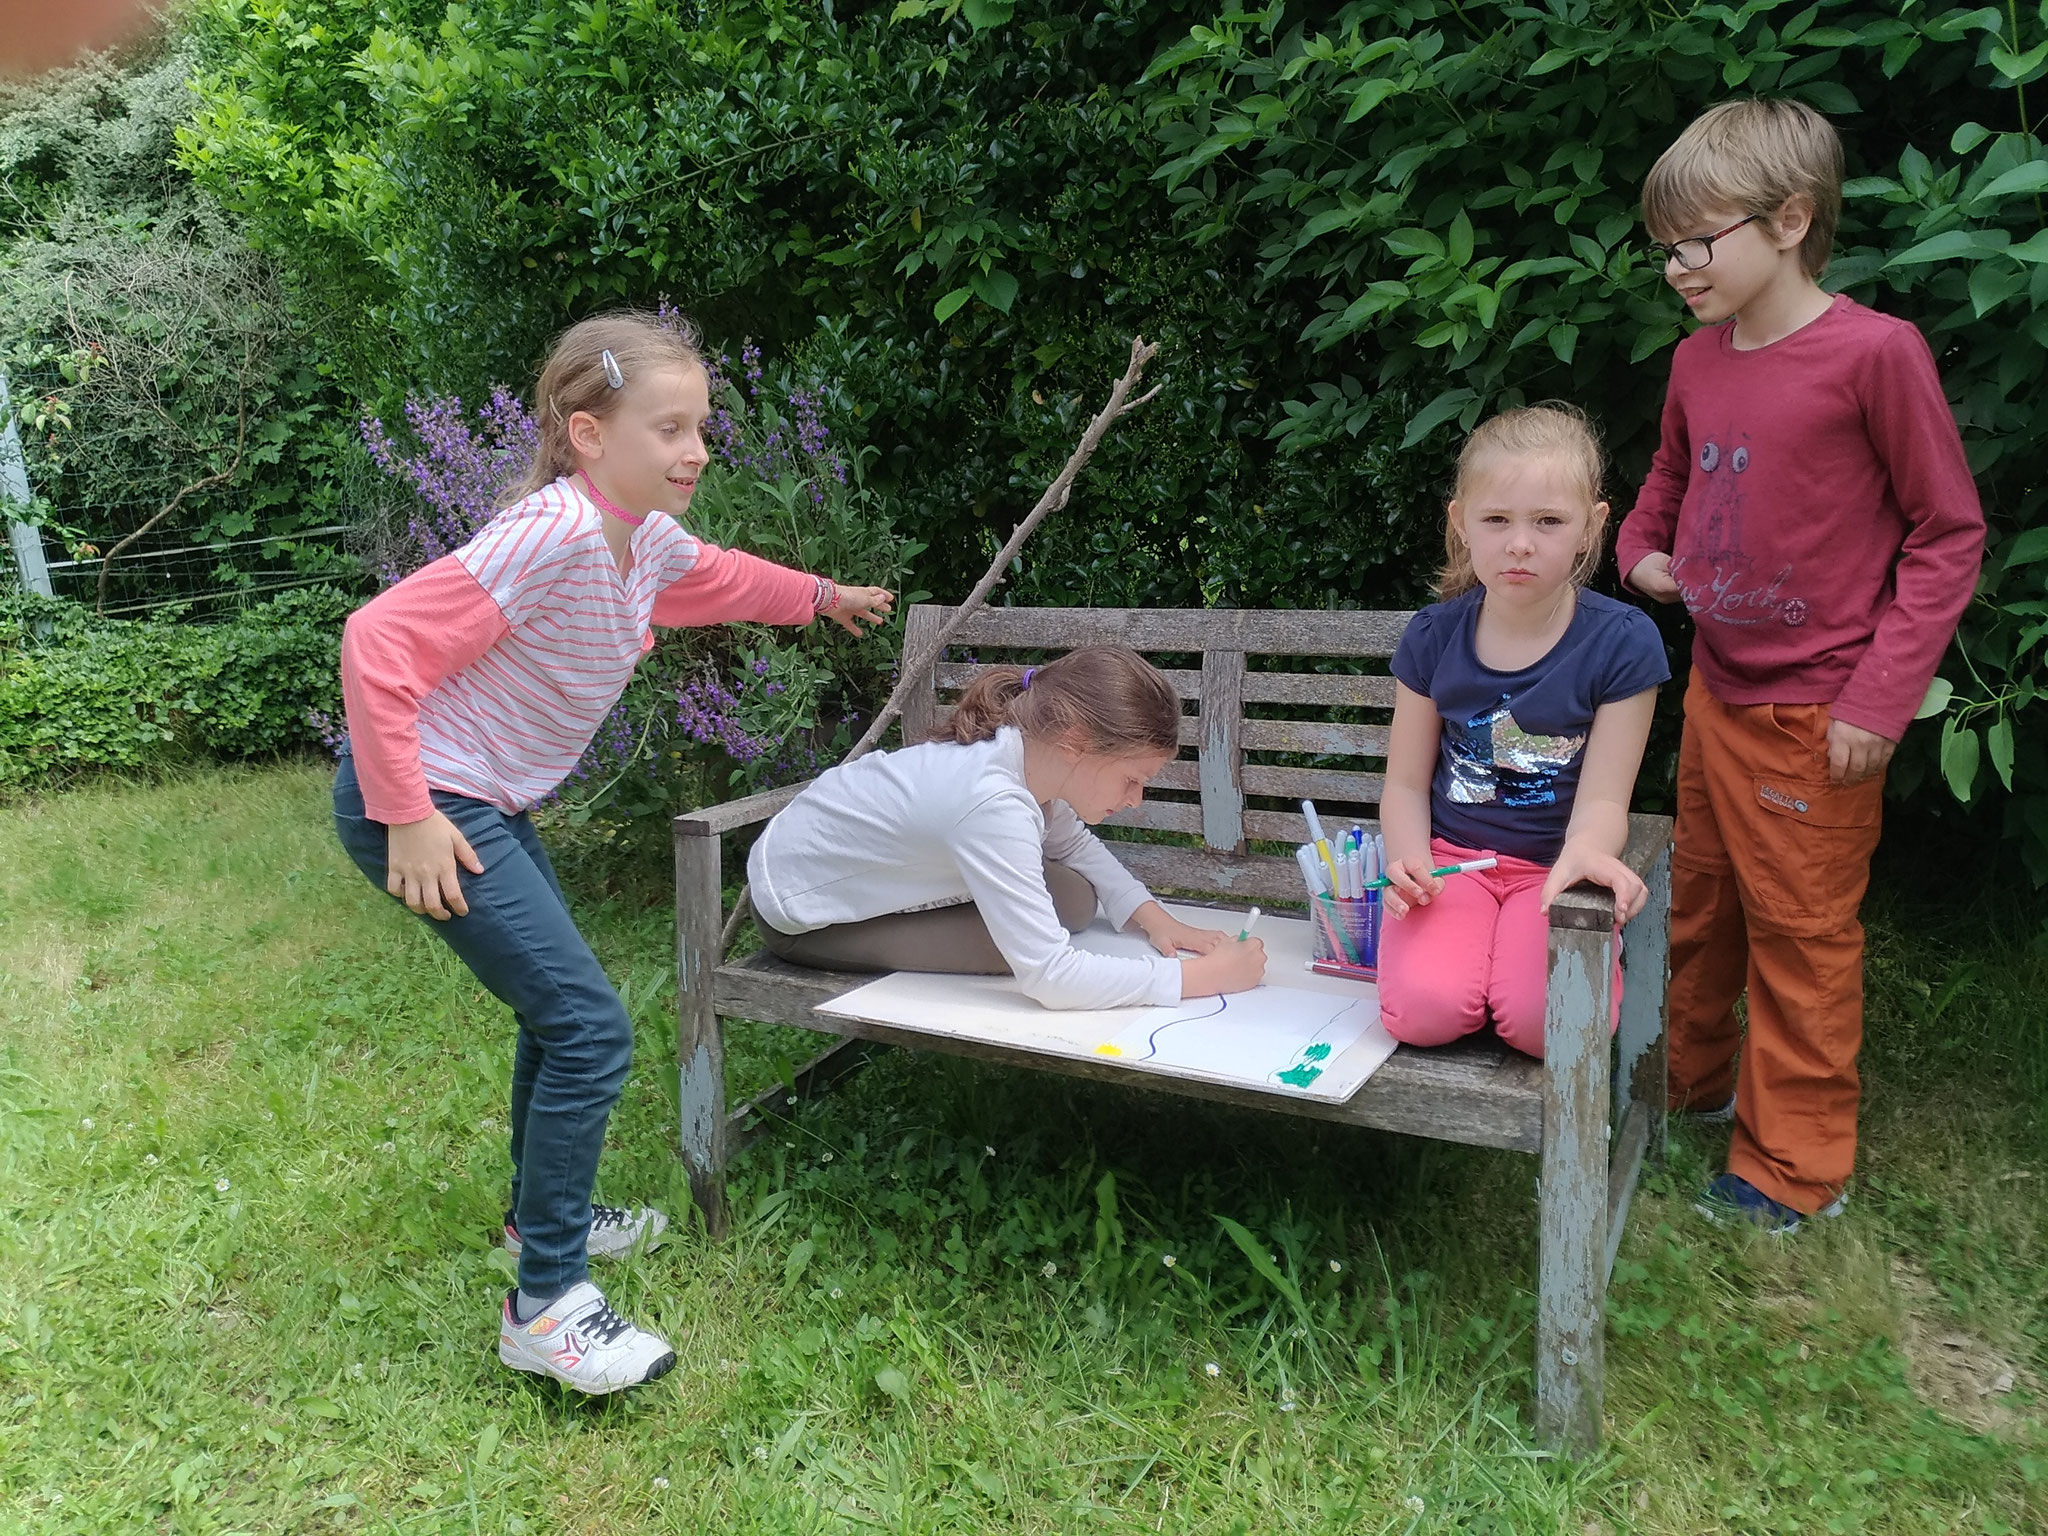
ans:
(131, 1125)
(760, 1453)
(387, 1146)
(1213, 1369)
(441, 1185)
(270, 1114)
(988, 1151)
(221, 1185)
(661, 1482)
(1050, 1269)
(1287, 1405)
(790, 1102)
(1336, 1268)
(837, 1293)
(149, 1159)
(1167, 1260)
(85, 1124)
(825, 1157)
(1413, 1504)
(356, 1371)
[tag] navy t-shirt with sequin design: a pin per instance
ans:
(1513, 742)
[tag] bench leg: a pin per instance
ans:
(700, 1033)
(1571, 1292)
(1640, 1066)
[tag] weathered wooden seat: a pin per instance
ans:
(1591, 1111)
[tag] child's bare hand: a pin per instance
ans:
(872, 604)
(419, 863)
(1855, 754)
(1409, 884)
(1652, 578)
(1235, 965)
(1578, 862)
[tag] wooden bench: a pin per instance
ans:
(1590, 1112)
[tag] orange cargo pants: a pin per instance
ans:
(1768, 869)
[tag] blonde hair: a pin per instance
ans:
(1752, 155)
(575, 379)
(1110, 697)
(1553, 427)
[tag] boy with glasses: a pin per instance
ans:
(1810, 505)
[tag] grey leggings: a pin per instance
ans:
(950, 939)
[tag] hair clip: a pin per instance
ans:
(613, 374)
(1026, 682)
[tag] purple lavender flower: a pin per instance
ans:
(460, 472)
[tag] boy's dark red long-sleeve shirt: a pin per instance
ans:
(1823, 528)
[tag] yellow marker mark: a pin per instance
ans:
(1106, 1049)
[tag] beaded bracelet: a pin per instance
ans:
(827, 595)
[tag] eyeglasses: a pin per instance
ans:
(1696, 252)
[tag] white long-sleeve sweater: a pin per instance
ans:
(938, 824)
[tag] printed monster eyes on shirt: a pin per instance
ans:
(1710, 457)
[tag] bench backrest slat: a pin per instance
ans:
(1230, 792)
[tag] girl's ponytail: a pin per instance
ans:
(1108, 696)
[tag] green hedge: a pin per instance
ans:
(1354, 229)
(78, 693)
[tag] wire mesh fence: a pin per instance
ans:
(167, 567)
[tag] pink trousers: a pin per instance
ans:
(1480, 949)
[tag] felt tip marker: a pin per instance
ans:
(1250, 922)
(1466, 868)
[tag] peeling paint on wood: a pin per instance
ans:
(1571, 1291)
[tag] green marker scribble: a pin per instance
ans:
(1318, 1052)
(1301, 1076)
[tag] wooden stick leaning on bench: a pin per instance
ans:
(914, 667)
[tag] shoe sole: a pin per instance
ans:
(655, 1372)
(1728, 1216)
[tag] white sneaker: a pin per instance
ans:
(615, 1231)
(1720, 1115)
(581, 1342)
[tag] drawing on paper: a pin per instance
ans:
(1280, 1036)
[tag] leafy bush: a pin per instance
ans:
(150, 348)
(78, 693)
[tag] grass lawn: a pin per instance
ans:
(252, 1157)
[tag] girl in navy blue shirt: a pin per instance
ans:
(1522, 704)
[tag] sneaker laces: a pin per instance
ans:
(602, 1322)
(610, 1216)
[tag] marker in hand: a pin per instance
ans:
(1250, 920)
(1466, 868)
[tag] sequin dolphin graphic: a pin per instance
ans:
(1493, 760)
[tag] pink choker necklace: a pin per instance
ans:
(616, 511)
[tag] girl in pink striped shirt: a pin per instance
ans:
(472, 688)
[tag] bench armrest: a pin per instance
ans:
(716, 820)
(1591, 907)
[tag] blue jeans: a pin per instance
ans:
(575, 1039)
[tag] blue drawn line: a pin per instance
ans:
(1152, 1040)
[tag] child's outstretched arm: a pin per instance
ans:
(728, 585)
(1404, 802)
(1599, 825)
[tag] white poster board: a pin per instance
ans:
(1299, 1036)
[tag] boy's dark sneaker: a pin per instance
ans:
(1723, 1114)
(1731, 1199)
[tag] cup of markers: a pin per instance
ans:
(1344, 898)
